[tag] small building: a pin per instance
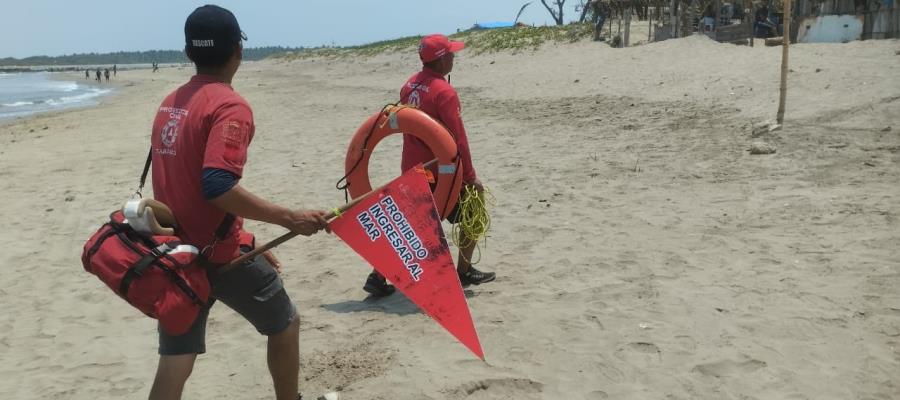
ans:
(844, 20)
(492, 25)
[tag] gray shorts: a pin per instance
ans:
(254, 290)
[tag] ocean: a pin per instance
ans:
(26, 93)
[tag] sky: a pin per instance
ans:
(60, 27)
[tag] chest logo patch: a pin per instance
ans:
(414, 99)
(170, 132)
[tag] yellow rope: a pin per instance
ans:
(474, 219)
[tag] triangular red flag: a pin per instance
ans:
(397, 229)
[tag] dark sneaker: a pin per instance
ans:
(377, 286)
(476, 277)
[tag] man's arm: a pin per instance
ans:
(243, 203)
(223, 163)
(449, 110)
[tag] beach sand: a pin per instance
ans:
(641, 251)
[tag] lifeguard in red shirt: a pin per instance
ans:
(199, 141)
(429, 91)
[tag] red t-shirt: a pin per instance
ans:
(428, 91)
(202, 124)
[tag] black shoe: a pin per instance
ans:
(377, 286)
(475, 277)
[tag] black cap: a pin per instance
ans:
(212, 29)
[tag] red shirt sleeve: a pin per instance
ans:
(450, 114)
(230, 134)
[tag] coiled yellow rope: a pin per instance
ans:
(474, 219)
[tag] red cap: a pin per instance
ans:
(435, 46)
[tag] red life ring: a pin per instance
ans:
(411, 121)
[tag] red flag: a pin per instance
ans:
(398, 231)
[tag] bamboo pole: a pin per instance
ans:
(786, 40)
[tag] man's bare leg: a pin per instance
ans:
(284, 361)
(466, 250)
(171, 375)
(468, 275)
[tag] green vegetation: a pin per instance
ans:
(132, 57)
(516, 39)
(477, 42)
(385, 46)
(365, 50)
(522, 38)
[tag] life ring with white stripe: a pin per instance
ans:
(412, 121)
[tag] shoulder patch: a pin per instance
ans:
(233, 133)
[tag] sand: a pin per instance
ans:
(642, 252)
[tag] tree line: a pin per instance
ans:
(134, 57)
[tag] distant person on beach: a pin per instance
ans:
(114, 69)
(106, 74)
(763, 26)
(155, 67)
(98, 74)
(199, 144)
(709, 18)
(87, 73)
(429, 91)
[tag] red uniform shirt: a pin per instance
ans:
(202, 124)
(428, 91)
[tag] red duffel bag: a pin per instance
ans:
(154, 273)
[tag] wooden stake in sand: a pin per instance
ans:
(627, 26)
(786, 35)
(673, 20)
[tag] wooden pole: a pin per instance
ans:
(718, 5)
(752, 20)
(290, 235)
(619, 29)
(627, 26)
(786, 40)
(673, 20)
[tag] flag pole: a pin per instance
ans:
(786, 40)
(337, 211)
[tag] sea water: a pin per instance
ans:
(26, 93)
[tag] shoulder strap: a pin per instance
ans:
(223, 228)
(146, 170)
